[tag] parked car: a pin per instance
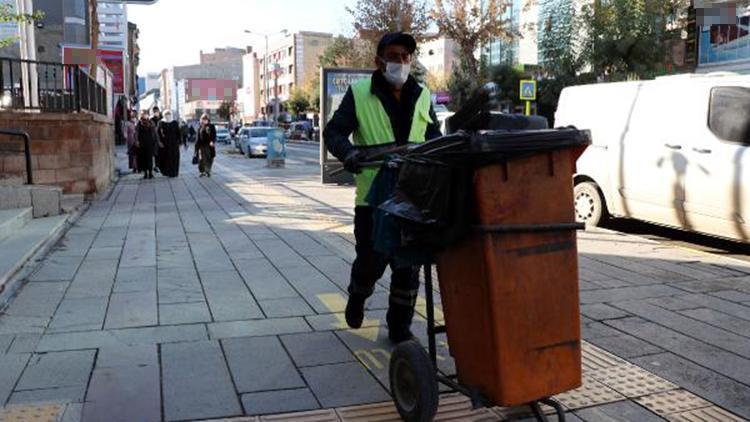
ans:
(255, 141)
(223, 135)
(241, 135)
(673, 151)
(300, 130)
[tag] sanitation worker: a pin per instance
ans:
(390, 108)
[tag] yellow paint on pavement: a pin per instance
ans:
(336, 302)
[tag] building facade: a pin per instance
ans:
(248, 95)
(439, 56)
(521, 49)
(724, 45)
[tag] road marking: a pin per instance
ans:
(335, 302)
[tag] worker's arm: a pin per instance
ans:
(433, 129)
(340, 127)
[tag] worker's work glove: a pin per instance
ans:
(353, 162)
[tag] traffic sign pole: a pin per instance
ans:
(527, 93)
(528, 108)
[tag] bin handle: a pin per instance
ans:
(516, 228)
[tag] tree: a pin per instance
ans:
(460, 86)
(374, 18)
(226, 110)
(298, 102)
(348, 52)
(472, 24)
(8, 14)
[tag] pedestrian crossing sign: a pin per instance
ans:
(528, 90)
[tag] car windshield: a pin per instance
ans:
(222, 131)
(259, 133)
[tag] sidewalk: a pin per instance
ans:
(197, 298)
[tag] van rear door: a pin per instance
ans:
(717, 200)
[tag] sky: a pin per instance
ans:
(172, 32)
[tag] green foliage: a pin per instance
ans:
(374, 18)
(298, 102)
(8, 14)
(461, 85)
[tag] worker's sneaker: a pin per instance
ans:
(400, 335)
(355, 311)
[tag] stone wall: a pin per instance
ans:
(74, 151)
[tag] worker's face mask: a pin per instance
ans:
(168, 118)
(397, 73)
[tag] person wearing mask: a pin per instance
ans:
(129, 134)
(169, 151)
(389, 108)
(205, 146)
(146, 142)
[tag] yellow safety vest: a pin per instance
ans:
(375, 129)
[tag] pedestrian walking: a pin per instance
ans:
(169, 140)
(389, 108)
(191, 133)
(205, 146)
(146, 143)
(155, 119)
(129, 134)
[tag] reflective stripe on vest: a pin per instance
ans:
(375, 129)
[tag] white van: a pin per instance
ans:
(672, 151)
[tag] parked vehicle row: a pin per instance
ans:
(253, 141)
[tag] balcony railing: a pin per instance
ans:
(53, 87)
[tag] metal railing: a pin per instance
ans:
(47, 86)
(26, 150)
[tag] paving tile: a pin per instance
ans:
(591, 393)
(259, 364)
(621, 411)
(137, 309)
(57, 268)
(106, 253)
(135, 279)
(627, 293)
(309, 416)
(312, 285)
(600, 311)
(183, 313)
(319, 348)
(286, 307)
(94, 279)
(709, 356)
(591, 330)
(5, 341)
(626, 346)
(670, 402)
(720, 319)
(196, 382)
(35, 412)
(337, 321)
(721, 305)
(79, 315)
(11, 367)
(116, 338)
(272, 402)
(73, 413)
(711, 414)
(10, 324)
(228, 297)
(57, 370)
(688, 326)
(74, 394)
(266, 327)
(343, 384)
(124, 385)
(673, 303)
(732, 295)
(708, 384)
(631, 381)
(37, 300)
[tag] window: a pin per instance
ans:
(291, 68)
(290, 51)
(728, 116)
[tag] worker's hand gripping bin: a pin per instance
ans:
(510, 289)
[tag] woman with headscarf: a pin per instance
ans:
(205, 148)
(169, 145)
(128, 133)
(146, 142)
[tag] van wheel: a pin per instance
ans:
(589, 204)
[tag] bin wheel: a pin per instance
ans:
(413, 382)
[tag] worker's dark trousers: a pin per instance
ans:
(369, 266)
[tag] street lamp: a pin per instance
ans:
(265, 68)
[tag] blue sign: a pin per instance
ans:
(528, 90)
(276, 148)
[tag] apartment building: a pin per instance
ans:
(439, 56)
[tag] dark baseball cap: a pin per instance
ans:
(397, 38)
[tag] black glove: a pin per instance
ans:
(353, 162)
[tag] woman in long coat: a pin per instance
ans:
(128, 132)
(169, 151)
(205, 148)
(146, 135)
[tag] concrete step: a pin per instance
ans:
(12, 220)
(44, 200)
(20, 246)
(70, 203)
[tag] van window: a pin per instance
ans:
(729, 114)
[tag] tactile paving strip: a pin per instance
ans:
(314, 416)
(707, 414)
(670, 402)
(592, 393)
(381, 412)
(631, 380)
(457, 407)
(31, 413)
(594, 358)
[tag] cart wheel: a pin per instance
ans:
(413, 382)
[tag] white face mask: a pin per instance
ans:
(397, 73)
(168, 118)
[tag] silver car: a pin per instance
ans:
(254, 141)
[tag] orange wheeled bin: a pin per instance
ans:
(519, 340)
(509, 287)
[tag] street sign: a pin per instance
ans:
(528, 90)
